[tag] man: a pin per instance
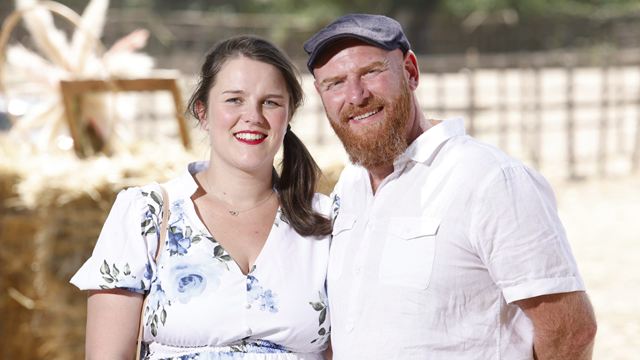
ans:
(443, 247)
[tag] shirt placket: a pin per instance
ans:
(358, 291)
(248, 307)
(366, 225)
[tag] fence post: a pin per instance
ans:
(503, 116)
(618, 103)
(605, 105)
(535, 141)
(570, 126)
(523, 67)
(635, 155)
(440, 93)
(471, 64)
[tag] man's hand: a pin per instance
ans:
(564, 325)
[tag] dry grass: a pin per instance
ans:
(601, 219)
(53, 207)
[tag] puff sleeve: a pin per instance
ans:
(124, 255)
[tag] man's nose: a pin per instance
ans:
(357, 92)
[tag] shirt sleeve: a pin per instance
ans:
(520, 238)
(124, 255)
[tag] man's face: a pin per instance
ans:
(368, 100)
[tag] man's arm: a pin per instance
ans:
(564, 325)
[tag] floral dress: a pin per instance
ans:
(200, 304)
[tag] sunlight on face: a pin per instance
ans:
(248, 114)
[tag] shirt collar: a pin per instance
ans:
(185, 184)
(424, 148)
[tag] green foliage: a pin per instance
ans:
(462, 8)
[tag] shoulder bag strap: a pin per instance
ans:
(163, 235)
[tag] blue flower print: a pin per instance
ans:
(157, 296)
(156, 314)
(236, 351)
(177, 210)
(321, 307)
(148, 271)
(257, 295)
(179, 239)
(189, 283)
(188, 357)
(181, 236)
(335, 206)
(185, 277)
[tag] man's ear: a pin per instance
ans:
(201, 111)
(411, 69)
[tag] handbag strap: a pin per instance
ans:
(163, 235)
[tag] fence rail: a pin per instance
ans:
(572, 114)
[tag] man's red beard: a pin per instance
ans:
(380, 143)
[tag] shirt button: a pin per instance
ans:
(248, 306)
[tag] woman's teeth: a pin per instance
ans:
(248, 136)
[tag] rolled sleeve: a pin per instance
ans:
(521, 239)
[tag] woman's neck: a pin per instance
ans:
(235, 186)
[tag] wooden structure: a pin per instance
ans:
(72, 91)
(87, 139)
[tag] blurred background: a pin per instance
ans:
(92, 97)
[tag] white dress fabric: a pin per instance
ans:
(201, 305)
(429, 266)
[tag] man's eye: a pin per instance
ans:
(333, 85)
(371, 72)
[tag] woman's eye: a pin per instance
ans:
(233, 100)
(272, 103)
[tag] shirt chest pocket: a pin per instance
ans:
(340, 240)
(408, 252)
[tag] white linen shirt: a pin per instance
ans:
(429, 266)
(200, 304)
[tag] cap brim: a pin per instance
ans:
(313, 57)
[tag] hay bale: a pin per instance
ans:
(330, 175)
(51, 211)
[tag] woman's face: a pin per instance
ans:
(247, 114)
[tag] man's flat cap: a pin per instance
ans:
(377, 30)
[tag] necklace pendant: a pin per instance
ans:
(233, 212)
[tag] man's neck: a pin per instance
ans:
(421, 125)
(378, 174)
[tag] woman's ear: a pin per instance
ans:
(201, 111)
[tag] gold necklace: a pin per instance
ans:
(235, 212)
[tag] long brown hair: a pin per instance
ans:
(297, 182)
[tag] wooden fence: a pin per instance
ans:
(570, 114)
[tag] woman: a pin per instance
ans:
(242, 273)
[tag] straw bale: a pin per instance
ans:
(329, 178)
(52, 207)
